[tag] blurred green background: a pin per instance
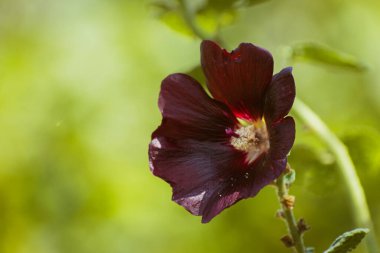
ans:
(79, 82)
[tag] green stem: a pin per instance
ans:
(346, 167)
(288, 215)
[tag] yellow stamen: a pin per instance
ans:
(252, 139)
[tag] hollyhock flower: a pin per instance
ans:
(216, 151)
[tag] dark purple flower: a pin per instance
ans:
(217, 151)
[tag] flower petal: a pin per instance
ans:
(242, 185)
(280, 95)
(208, 177)
(194, 169)
(281, 138)
(239, 78)
(188, 112)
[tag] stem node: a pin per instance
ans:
(295, 237)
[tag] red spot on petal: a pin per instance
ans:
(236, 56)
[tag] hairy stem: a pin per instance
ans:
(347, 170)
(288, 215)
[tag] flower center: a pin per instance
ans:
(252, 139)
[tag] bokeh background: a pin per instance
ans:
(79, 81)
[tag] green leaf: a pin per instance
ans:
(175, 21)
(170, 14)
(318, 53)
(209, 15)
(221, 13)
(211, 20)
(347, 241)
